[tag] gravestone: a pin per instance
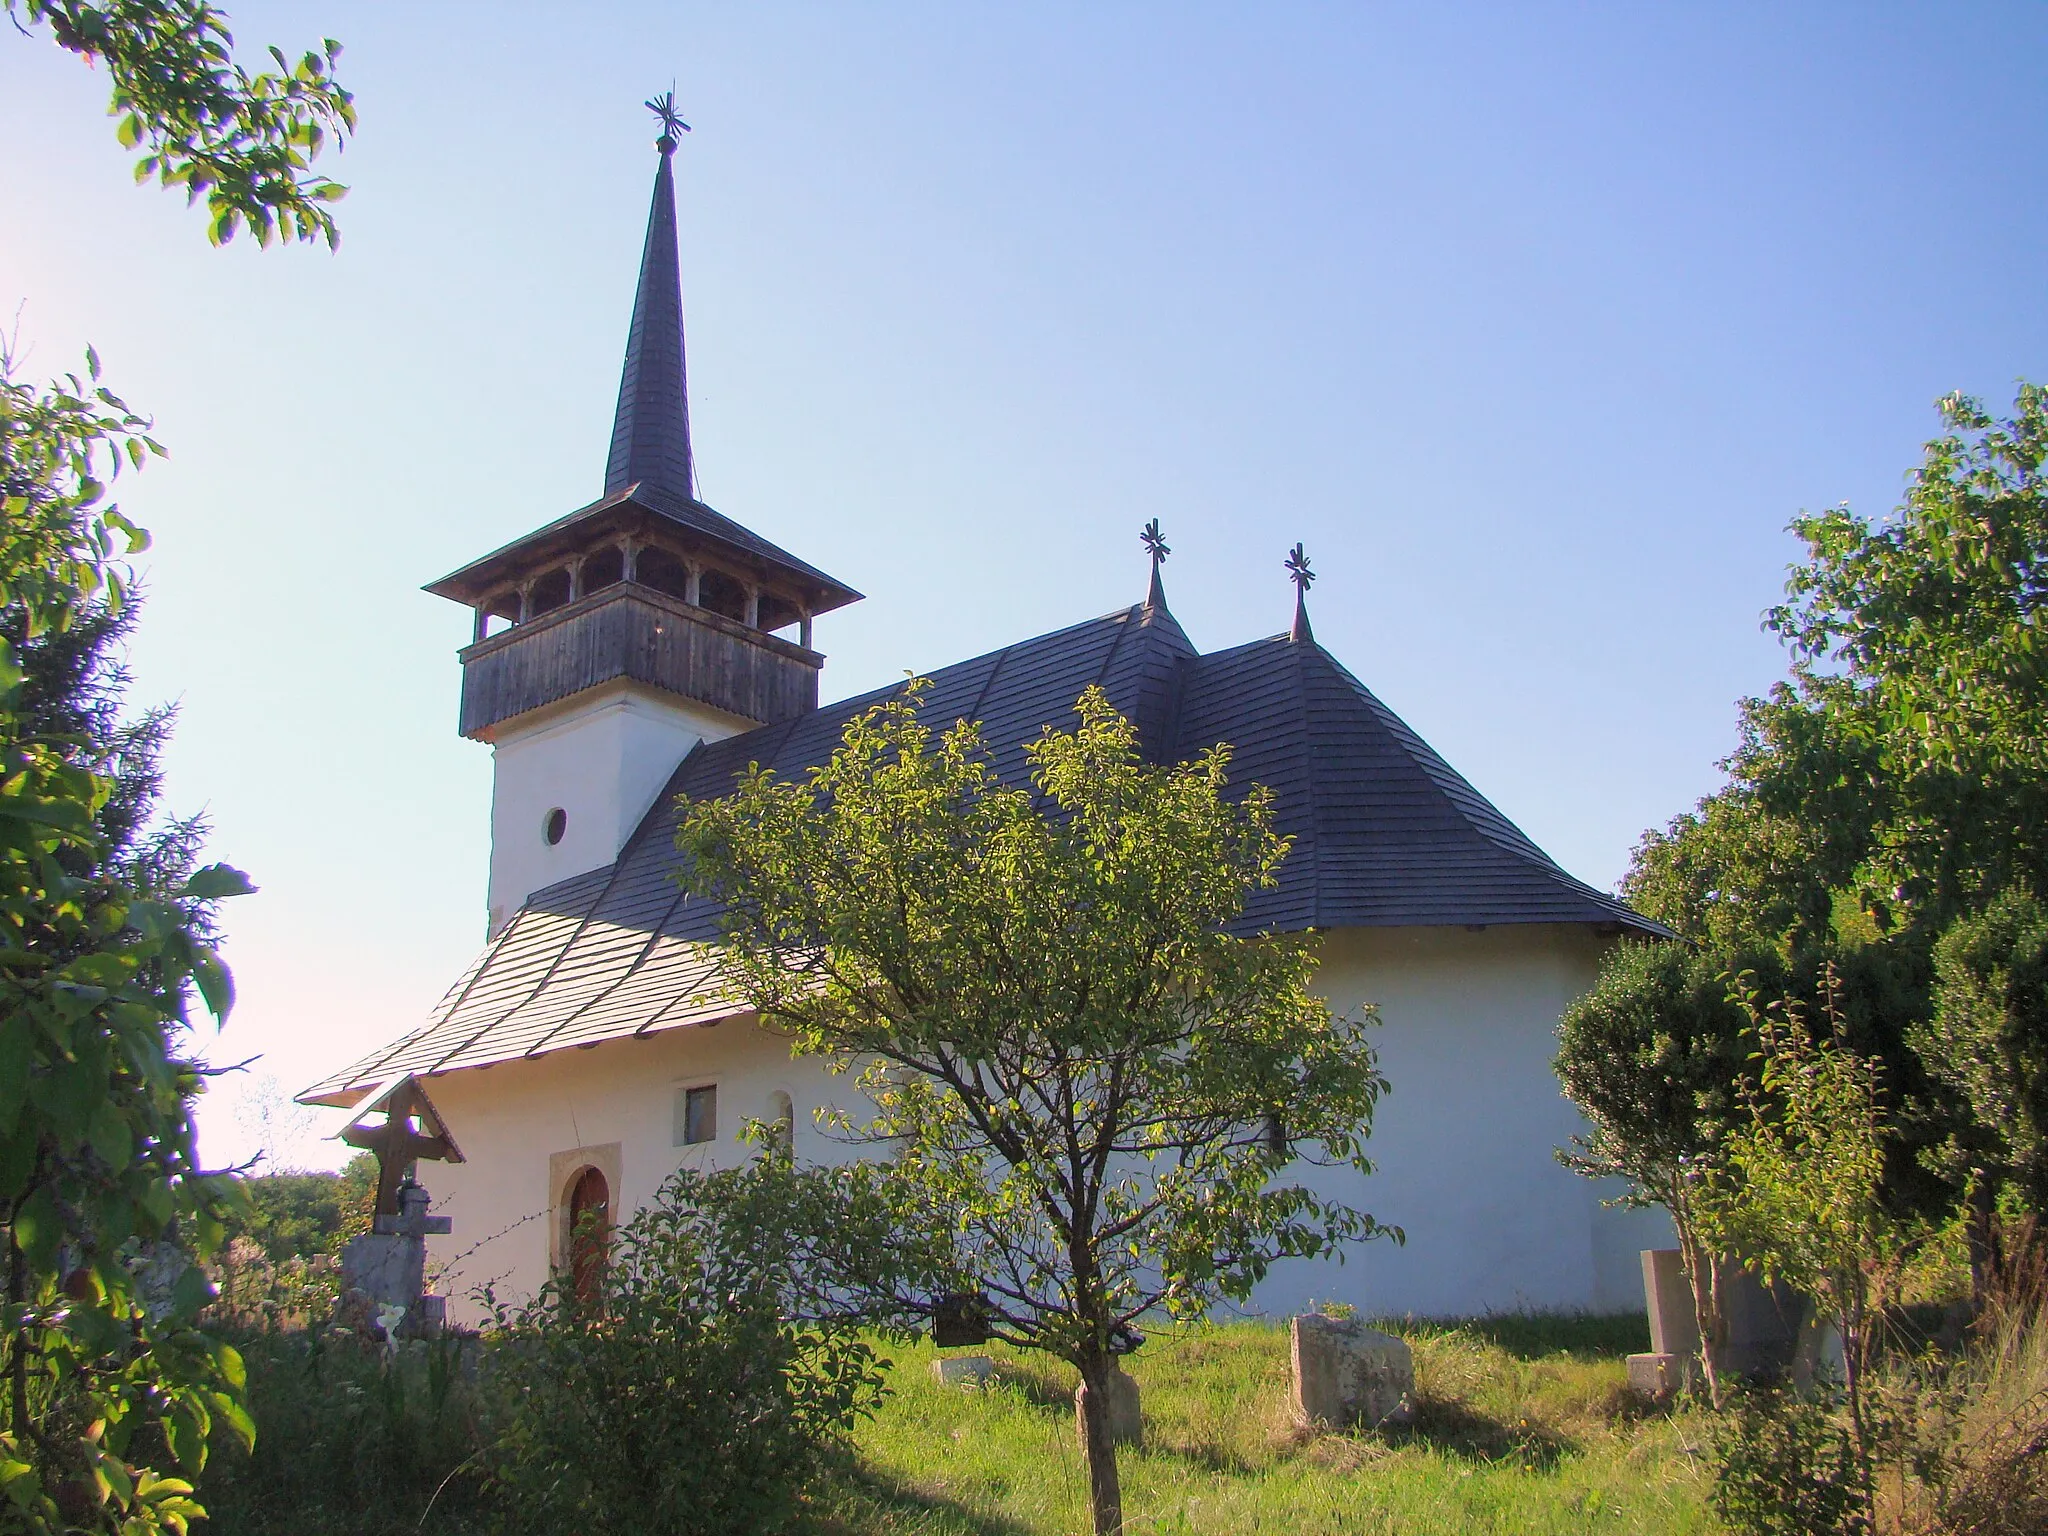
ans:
(1762, 1322)
(1674, 1328)
(1348, 1375)
(1125, 1420)
(963, 1371)
(1817, 1361)
(384, 1271)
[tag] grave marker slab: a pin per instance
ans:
(1346, 1374)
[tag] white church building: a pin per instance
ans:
(646, 646)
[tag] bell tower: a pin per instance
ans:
(611, 641)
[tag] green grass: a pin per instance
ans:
(1524, 1425)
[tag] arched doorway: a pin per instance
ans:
(590, 1228)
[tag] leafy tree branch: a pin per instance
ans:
(244, 142)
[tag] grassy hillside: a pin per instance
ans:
(1524, 1426)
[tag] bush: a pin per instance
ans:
(1981, 1440)
(676, 1391)
(354, 1440)
(1787, 1466)
(307, 1215)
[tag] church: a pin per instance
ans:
(645, 646)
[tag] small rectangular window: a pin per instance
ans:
(696, 1116)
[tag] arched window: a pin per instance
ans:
(590, 1230)
(606, 568)
(782, 1120)
(721, 594)
(659, 569)
(550, 592)
(778, 612)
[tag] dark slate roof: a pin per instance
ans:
(1386, 834)
(480, 577)
(651, 428)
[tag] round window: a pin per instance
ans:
(554, 825)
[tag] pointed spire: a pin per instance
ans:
(1297, 568)
(1157, 548)
(651, 432)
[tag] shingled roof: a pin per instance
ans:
(1386, 834)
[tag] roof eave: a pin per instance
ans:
(472, 583)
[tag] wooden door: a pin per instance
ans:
(589, 1233)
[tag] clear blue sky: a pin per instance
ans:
(1536, 324)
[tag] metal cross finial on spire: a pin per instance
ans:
(1303, 577)
(664, 109)
(1156, 547)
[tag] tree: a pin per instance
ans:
(1920, 639)
(242, 141)
(304, 1215)
(1654, 1056)
(1899, 777)
(1988, 1042)
(1745, 873)
(110, 1389)
(1066, 1049)
(73, 688)
(1894, 785)
(1801, 1190)
(96, 1141)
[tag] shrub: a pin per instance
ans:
(1787, 1466)
(1981, 1448)
(354, 1439)
(680, 1392)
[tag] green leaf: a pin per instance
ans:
(38, 1229)
(192, 1291)
(65, 815)
(17, 1053)
(112, 1137)
(17, 1159)
(68, 1093)
(185, 1430)
(215, 982)
(154, 920)
(158, 1203)
(237, 1418)
(99, 970)
(228, 1361)
(22, 1483)
(216, 882)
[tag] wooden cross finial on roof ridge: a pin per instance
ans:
(664, 109)
(1155, 545)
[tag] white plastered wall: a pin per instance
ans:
(1464, 1144)
(601, 757)
(514, 1121)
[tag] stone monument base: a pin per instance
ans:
(1126, 1421)
(1660, 1377)
(963, 1371)
(1348, 1375)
